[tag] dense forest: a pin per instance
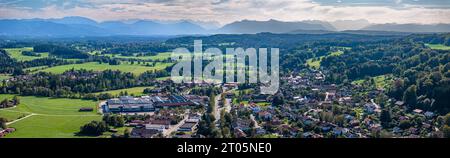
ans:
(420, 71)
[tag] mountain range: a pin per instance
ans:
(81, 26)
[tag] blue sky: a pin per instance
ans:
(225, 11)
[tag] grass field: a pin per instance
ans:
(382, 81)
(50, 126)
(120, 131)
(438, 46)
(315, 64)
(16, 53)
(160, 56)
(48, 117)
(162, 78)
(136, 91)
(4, 77)
(32, 69)
(125, 67)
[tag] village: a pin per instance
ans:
(305, 107)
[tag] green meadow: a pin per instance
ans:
(50, 126)
(160, 56)
(47, 117)
(124, 67)
(4, 77)
(16, 53)
(32, 69)
(438, 46)
(382, 81)
(315, 62)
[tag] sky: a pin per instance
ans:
(226, 11)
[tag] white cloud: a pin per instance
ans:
(226, 11)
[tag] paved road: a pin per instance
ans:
(174, 128)
(217, 110)
(8, 123)
(227, 106)
(253, 119)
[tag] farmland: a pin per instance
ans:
(48, 117)
(126, 67)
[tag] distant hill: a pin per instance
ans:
(378, 33)
(350, 24)
(416, 28)
(272, 26)
(355, 32)
(311, 32)
(145, 27)
(45, 28)
(79, 26)
(73, 20)
(328, 26)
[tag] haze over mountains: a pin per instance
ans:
(80, 26)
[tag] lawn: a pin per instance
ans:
(16, 53)
(136, 91)
(51, 117)
(125, 67)
(12, 115)
(438, 46)
(50, 126)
